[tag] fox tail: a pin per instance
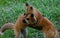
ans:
(6, 27)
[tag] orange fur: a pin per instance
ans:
(18, 27)
(48, 28)
(36, 20)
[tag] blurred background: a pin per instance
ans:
(11, 9)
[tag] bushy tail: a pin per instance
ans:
(5, 27)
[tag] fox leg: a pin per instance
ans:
(24, 33)
(17, 32)
(20, 32)
(51, 34)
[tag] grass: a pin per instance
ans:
(11, 9)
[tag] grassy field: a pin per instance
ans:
(11, 9)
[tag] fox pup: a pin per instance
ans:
(22, 22)
(19, 26)
(40, 21)
(10, 26)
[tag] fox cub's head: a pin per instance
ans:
(29, 16)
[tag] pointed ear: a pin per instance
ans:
(26, 4)
(31, 8)
(24, 13)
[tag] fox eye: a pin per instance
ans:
(25, 14)
(32, 15)
(24, 21)
(27, 18)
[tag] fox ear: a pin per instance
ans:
(24, 13)
(31, 8)
(26, 4)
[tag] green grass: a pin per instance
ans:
(11, 9)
